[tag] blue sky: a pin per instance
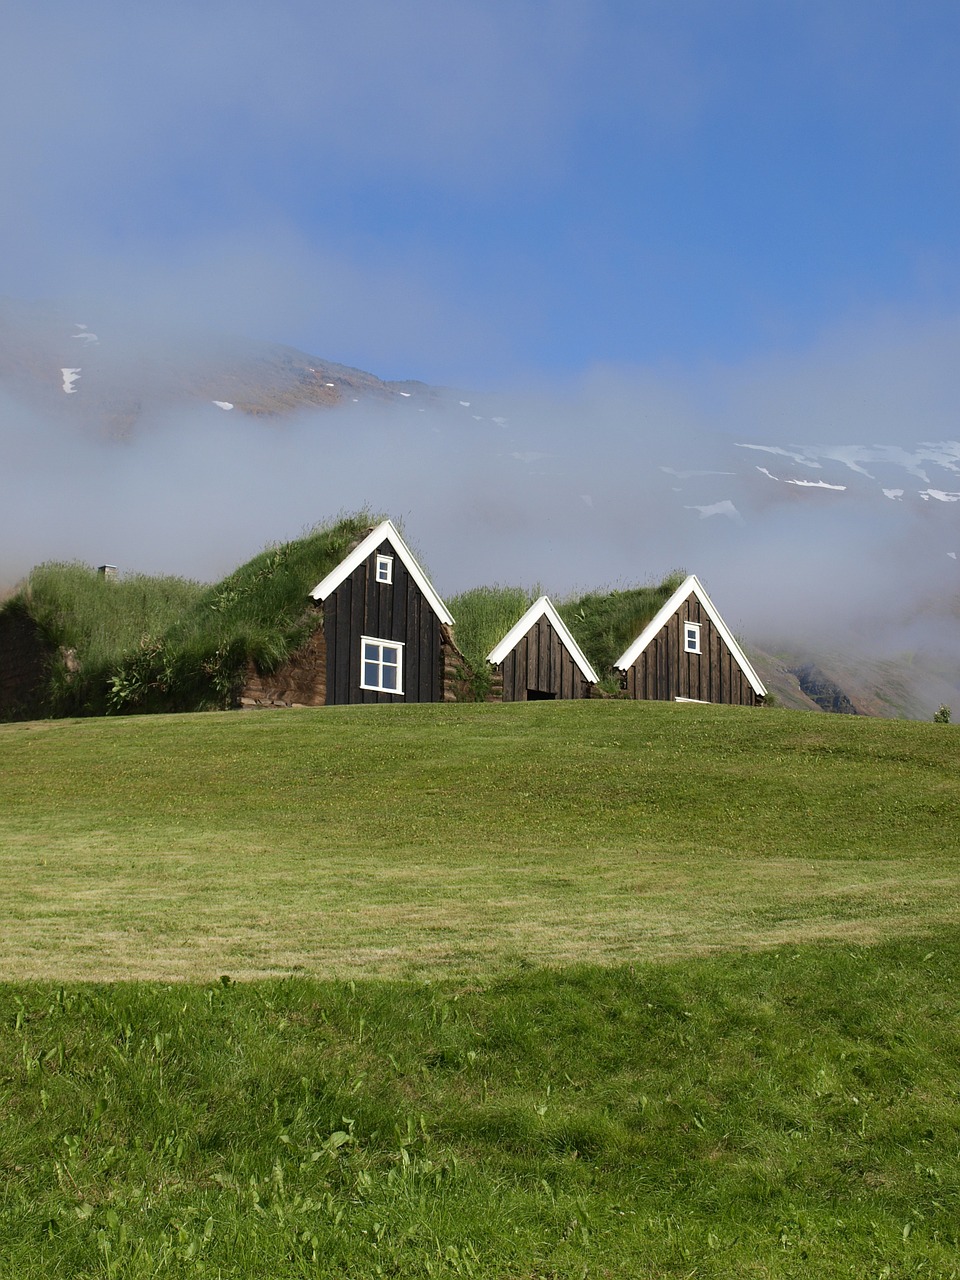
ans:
(488, 193)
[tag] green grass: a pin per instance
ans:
(544, 991)
(789, 1113)
(97, 621)
(162, 644)
(484, 615)
(418, 841)
(604, 623)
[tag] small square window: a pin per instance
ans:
(381, 665)
(691, 637)
(384, 568)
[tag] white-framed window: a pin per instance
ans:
(691, 637)
(384, 568)
(381, 665)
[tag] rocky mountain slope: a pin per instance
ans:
(97, 372)
(908, 686)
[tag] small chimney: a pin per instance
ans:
(107, 570)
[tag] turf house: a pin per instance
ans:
(372, 629)
(538, 658)
(385, 634)
(686, 653)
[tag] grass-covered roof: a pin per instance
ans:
(602, 622)
(142, 643)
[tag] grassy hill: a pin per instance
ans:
(142, 643)
(551, 990)
(785, 1114)
(414, 840)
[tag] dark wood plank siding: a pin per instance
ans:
(541, 662)
(396, 611)
(665, 671)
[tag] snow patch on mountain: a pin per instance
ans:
(69, 378)
(916, 461)
(798, 456)
(803, 484)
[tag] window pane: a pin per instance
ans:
(381, 665)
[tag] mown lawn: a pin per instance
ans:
(600, 990)
(424, 841)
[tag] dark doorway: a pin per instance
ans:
(540, 695)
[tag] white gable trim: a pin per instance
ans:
(385, 532)
(690, 586)
(539, 609)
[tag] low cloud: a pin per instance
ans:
(615, 480)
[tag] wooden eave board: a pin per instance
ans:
(385, 532)
(690, 585)
(539, 609)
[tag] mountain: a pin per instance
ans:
(909, 686)
(98, 372)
